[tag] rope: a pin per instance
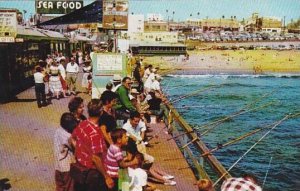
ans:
(287, 116)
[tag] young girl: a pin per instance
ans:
(114, 158)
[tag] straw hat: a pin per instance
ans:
(117, 78)
(134, 91)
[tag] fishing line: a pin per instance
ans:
(267, 172)
(195, 93)
(239, 111)
(287, 116)
(215, 124)
(220, 146)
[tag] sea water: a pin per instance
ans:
(275, 96)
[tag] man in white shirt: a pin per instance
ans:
(147, 72)
(39, 87)
(149, 81)
(156, 84)
(72, 70)
(135, 127)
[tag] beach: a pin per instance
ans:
(229, 61)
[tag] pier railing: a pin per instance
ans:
(190, 139)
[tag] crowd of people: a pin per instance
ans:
(56, 76)
(94, 152)
(90, 151)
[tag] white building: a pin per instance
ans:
(136, 23)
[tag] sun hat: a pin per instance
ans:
(134, 91)
(117, 78)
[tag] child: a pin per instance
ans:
(63, 155)
(138, 175)
(89, 87)
(205, 185)
(114, 158)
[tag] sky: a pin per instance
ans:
(290, 9)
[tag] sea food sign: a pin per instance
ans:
(57, 7)
(8, 26)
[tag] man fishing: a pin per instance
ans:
(246, 183)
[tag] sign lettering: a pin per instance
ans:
(57, 7)
(8, 26)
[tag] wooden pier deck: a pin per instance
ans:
(26, 149)
(169, 158)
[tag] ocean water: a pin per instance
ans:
(220, 95)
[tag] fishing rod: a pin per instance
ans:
(178, 86)
(185, 133)
(195, 93)
(241, 110)
(191, 106)
(234, 115)
(220, 121)
(187, 144)
(159, 131)
(287, 116)
(220, 146)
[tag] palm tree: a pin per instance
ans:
(173, 15)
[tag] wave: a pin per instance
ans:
(226, 76)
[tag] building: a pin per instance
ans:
(265, 24)
(231, 24)
(271, 24)
(156, 26)
(136, 23)
(195, 23)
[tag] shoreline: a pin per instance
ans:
(256, 62)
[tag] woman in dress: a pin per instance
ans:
(54, 80)
(87, 70)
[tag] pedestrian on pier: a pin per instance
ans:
(40, 87)
(72, 70)
(54, 80)
(87, 70)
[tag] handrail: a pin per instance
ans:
(199, 168)
(215, 164)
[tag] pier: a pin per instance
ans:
(27, 145)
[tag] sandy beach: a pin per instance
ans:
(229, 61)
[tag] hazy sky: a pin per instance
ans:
(184, 8)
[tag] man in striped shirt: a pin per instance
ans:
(114, 158)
